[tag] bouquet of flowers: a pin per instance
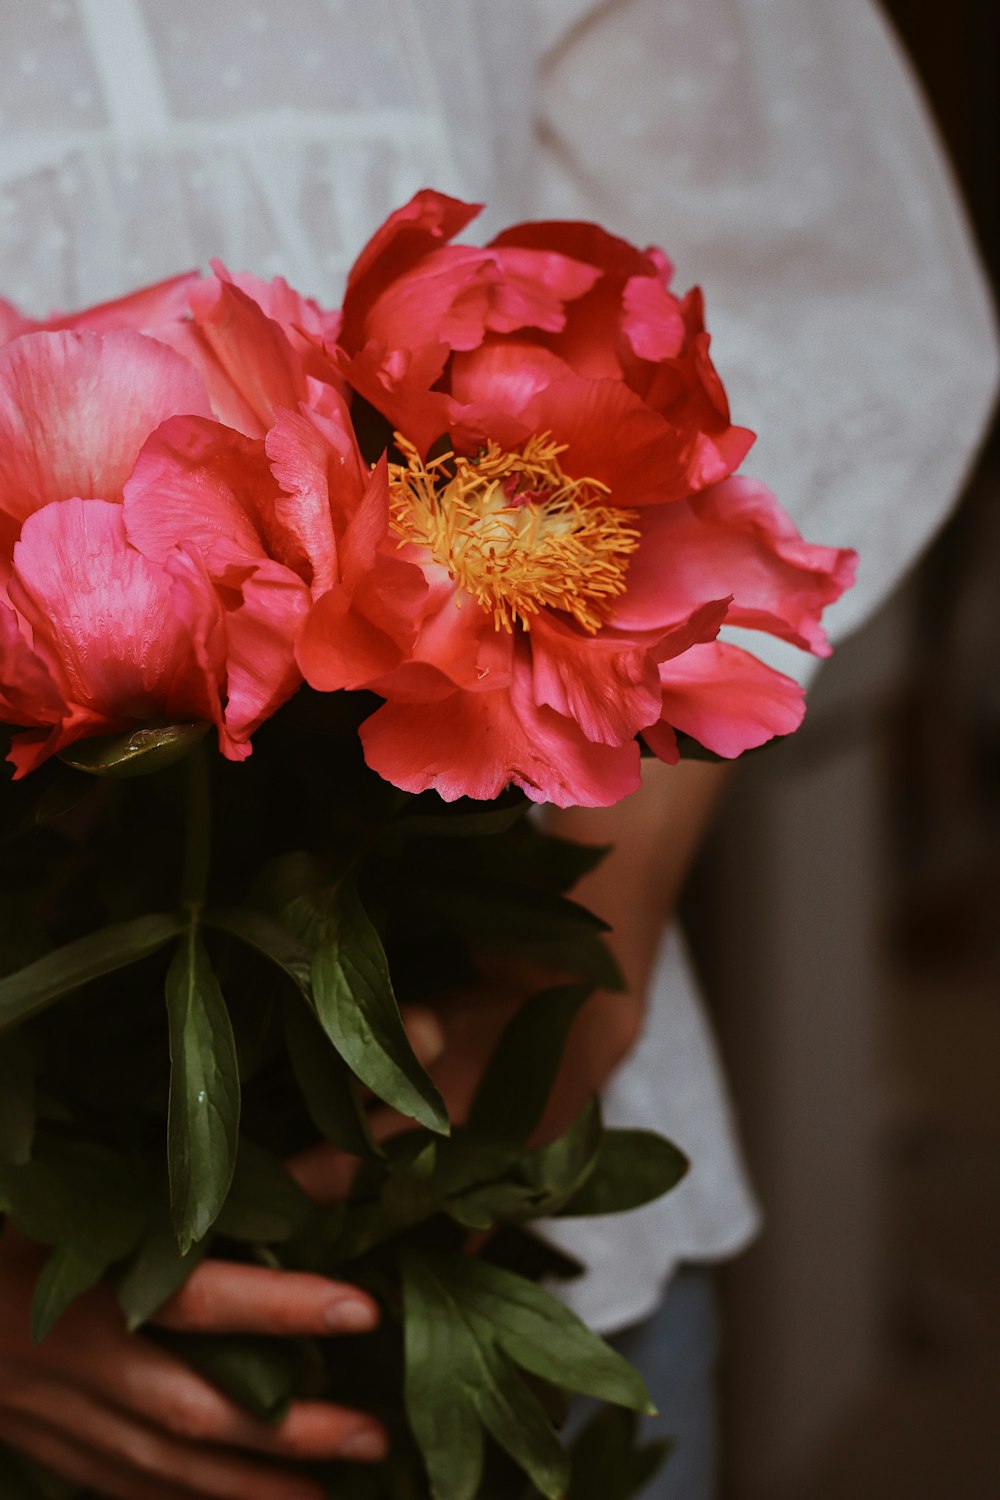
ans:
(464, 545)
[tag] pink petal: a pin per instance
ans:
(248, 365)
(727, 700)
(203, 483)
(475, 744)
(75, 408)
(652, 320)
(584, 242)
(261, 635)
(610, 687)
(734, 538)
(342, 649)
(28, 694)
(145, 309)
(300, 461)
(121, 640)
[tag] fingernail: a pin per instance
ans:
(351, 1315)
(365, 1446)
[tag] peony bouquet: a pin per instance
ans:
(466, 544)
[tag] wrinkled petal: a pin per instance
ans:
(610, 687)
(200, 482)
(75, 408)
(735, 538)
(727, 700)
(28, 695)
(475, 744)
(413, 231)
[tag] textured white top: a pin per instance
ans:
(778, 151)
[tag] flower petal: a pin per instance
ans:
(75, 408)
(475, 744)
(122, 640)
(248, 364)
(200, 482)
(609, 686)
(734, 538)
(727, 700)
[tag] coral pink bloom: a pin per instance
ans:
(583, 541)
(100, 639)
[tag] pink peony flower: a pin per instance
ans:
(211, 564)
(581, 539)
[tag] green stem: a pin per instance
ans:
(197, 833)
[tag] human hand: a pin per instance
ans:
(114, 1412)
(111, 1411)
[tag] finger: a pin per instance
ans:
(144, 1380)
(152, 1455)
(227, 1297)
(78, 1465)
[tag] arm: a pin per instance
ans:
(655, 835)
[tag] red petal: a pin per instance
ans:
(413, 231)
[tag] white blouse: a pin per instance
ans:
(778, 151)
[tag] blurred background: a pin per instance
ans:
(857, 993)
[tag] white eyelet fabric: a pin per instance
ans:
(780, 153)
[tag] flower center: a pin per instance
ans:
(515, 532)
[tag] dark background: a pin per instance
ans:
(862, 1344)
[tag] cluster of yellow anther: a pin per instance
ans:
(515, 532)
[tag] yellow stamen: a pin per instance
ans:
(515, 532)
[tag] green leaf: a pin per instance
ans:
(467, 1324)
(136, 753)
(515, 1088)
(59, 973)
(516, 1419)
(86, 1201)
(204, 1109)
(255, 1372)
(633, 1167)
(328, 1085)
(561, 1168)
(69, 1271)
(606, 1462)
(19, 1061)
(265, 1203)
(537, 1331)
(268, 937)
(357, 1009)
(154, 1272)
